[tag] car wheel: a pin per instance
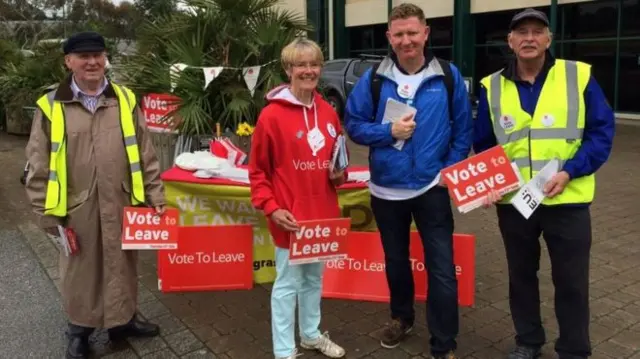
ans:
(336, 102)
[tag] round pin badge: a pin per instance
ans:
(548, 120)
(332, 130)
(507, 122)
(404, 90)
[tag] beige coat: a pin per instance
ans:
(99, 285)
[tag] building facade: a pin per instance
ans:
(472, 33)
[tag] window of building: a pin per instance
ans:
(630, 18)
(594, 19)
(445, 53)
(380, 36)
(441, 31)
(361, 38)
(629, 76)
(600, 54)
(316, 15)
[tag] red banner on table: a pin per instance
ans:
(156, 107)
(319, 240)
(142, 228)
(471, 180)
(362, 275)
(208, 258)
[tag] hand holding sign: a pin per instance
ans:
(284, 219)
(472, 180)
(319, 240)
(491, 199)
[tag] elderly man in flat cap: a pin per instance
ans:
(539, 109)
(89, 156)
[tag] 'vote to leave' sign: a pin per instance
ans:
(319, 240)
(471, 180)
(209, 258)
(142, 228)
(156, 107)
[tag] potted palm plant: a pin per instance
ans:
(232, 34)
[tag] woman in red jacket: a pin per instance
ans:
(291, 181)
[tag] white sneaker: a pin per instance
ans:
(292, 356)
(324, 345)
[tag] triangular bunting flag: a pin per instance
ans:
(210, 74)
(174, 73)
(251, 74)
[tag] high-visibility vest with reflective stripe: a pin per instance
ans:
(554, 131)
(56, 197)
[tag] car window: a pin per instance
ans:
(334, 66)
(361, 67)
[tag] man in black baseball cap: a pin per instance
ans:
(541, 109)
(529, 14)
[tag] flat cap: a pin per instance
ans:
(528, 14)
(87, 41)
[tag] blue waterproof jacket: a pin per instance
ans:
(435, 144)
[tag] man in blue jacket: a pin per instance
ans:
(405, 179)
(538, 109)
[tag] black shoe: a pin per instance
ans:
(135, 328)
(78, 347)
(523, 352)
(395, 333)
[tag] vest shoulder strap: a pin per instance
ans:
(128, 95)
(45, 103)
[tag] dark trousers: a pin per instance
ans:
(434, 220)
(567, 232)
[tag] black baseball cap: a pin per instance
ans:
(87, 41)
(527, 14)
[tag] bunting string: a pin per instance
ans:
(250, 73)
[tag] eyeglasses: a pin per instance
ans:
(312, 66)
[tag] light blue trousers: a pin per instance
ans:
(303, 283)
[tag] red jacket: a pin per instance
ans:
(283, 171)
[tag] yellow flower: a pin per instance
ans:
(244, 129)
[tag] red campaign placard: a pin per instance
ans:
(142, 228)
(155, 106)
(209, 258)
(319, 240)
(471, 180)
(362, 275)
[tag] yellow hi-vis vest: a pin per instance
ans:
(56, 197)
(554, 131)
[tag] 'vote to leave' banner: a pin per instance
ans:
(471, 180)
(208, 258)
(319, 240)
(142, 228)
(362, 275)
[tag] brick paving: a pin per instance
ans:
(235, 325)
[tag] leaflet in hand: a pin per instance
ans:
(340, 159)
(66, 240)
(395, 110)
(529, 197)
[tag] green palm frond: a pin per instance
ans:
(229, 33)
